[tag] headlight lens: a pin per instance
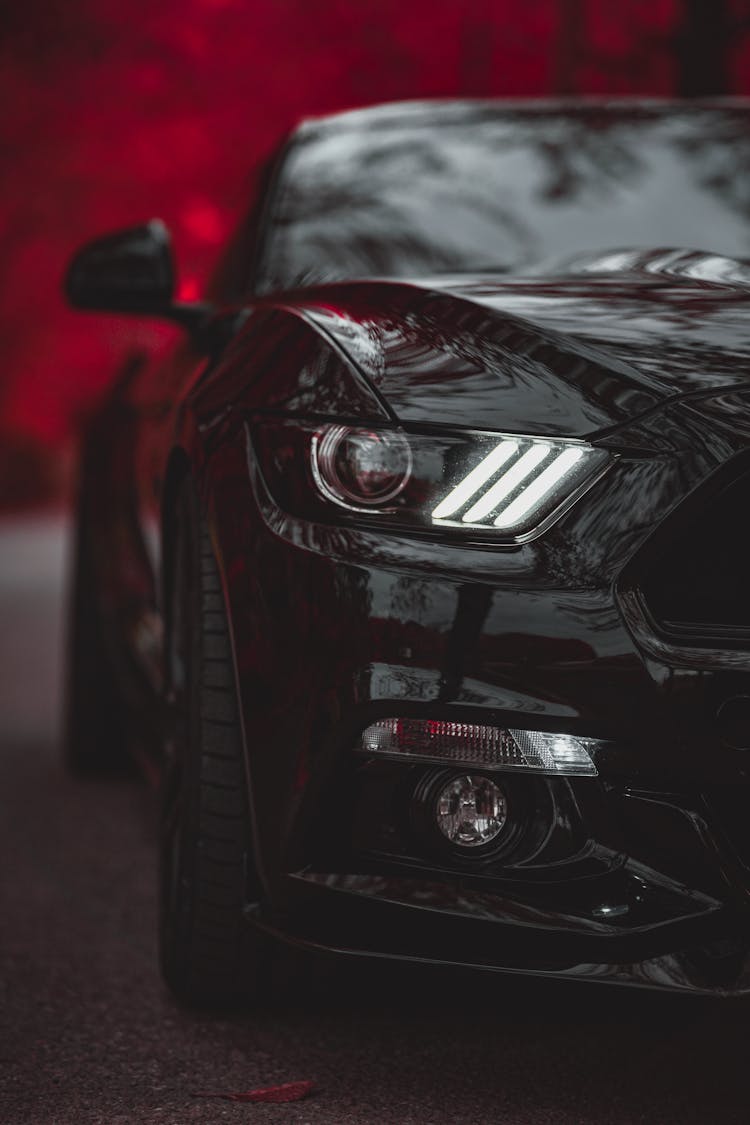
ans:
(508, 486)
(360, 468)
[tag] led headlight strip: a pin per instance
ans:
(520, 483)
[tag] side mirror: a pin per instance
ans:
(129, 271)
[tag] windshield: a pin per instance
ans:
(421, 189)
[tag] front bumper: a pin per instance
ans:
(373, 918)
(638, 876)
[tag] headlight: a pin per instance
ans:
(508, 486)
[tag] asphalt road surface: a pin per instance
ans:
(88, 1033)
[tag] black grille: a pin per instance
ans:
(695, 576)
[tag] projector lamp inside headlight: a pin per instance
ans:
(358, 467)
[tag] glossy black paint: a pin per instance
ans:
(640, 875)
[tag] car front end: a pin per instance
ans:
(493, 659)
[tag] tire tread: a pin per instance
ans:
(214, 958)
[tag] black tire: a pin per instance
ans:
(95, 736)
(209, 953)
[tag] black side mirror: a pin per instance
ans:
(129, 271)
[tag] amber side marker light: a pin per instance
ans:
(471, 744)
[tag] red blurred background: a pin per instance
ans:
(113, 112)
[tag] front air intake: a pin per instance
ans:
(694, 578)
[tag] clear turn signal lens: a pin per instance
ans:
(472, 744)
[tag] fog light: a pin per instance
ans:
(471, 811)
(474, 744)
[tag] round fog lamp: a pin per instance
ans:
(471, 811)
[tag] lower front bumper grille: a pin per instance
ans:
(693, 574)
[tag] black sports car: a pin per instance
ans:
(418, 574)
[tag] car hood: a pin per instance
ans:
(572, 352)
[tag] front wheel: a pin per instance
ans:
(209, 954)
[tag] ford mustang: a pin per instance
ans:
(417, 573)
